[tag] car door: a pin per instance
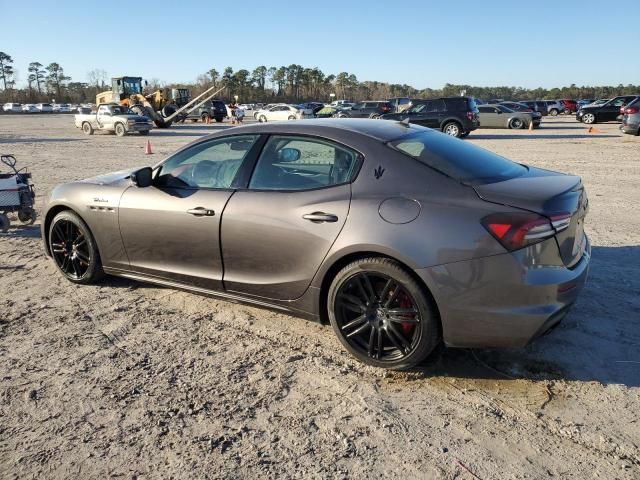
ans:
(277, 231)
(490, 118)
(428, 116)
(171, 229)
(356, 110)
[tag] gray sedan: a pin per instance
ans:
(499, 116)
(398, 235)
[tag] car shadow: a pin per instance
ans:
(533, 136)
(22, 231)
(599, 340)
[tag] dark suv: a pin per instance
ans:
(366, 110)
(607, 112)
(455, 116)
(537, 106)
(215, 109)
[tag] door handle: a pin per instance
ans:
(319, 217)
(201, 212)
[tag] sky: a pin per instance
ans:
(420, 43)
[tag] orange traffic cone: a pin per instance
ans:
(593, 130)
(147, 148)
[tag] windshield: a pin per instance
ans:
(132, 86)
(457, 159)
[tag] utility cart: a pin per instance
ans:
(16, 193)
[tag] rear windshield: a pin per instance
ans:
(457, 159)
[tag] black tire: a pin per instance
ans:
(87, 128)
(73, 249)
(291, 117)
(516, 124)
(464, 135)
(393, 294)
(452, 129)
(120, 130)
(144, 132)
(262, 119)
(374, 116)
(219, 119)
(5, 223)
(554, 112)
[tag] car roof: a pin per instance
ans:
(382, 130)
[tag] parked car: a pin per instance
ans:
(570, 106)
(501, 116)
(12, 107)
(522, 108)
(397, 235)
(400, 104)
(215, 109)
(536, 106)
(280, 112)
(328, 111)
(44, 107)
(368, 109)
(341, 103)
(606, 112)
(631, 118)
(112, 117)
(455, 116)
(29, 108)
(267, 107)
(61, 108)
(554, 107)
(585, 101)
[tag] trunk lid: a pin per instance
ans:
(550, 194)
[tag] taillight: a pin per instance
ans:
(470, 115)
(518, 229)
(621, 109)
(385, 108)
(631, 110)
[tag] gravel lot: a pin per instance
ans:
(128, 380)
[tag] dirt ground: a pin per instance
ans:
(128, 380)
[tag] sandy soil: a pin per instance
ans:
(128, 380)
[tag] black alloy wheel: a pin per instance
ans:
(73, 248)
(381, 314)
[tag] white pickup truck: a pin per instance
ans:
(112, 117)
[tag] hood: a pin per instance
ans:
(110, 178)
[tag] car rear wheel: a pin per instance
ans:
(381, 314)
(291, 117)
(204, 117)
(453, 129)
(120, 130)
(87, 128)
(219, 119)
(589, 118)
(74, 249)
(262, 119)
(554, 112)
(374, 116)
(516, 123)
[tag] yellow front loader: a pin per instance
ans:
(160, 106)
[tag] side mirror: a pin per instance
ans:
(142, 178)
(289, 155)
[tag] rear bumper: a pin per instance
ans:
(630, 127)
(505, 300)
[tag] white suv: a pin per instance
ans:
(12, 107)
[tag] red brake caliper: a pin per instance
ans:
(404, 302)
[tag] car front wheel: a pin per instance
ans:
(120, 130)
(452, 129)
(516, 123)
(589, 118)
(381, 314)
(554, 112)
(74, 249)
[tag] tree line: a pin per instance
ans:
(293, 83)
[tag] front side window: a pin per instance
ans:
(292, 163)
(212, 164)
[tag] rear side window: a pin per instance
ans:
(459, 160)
